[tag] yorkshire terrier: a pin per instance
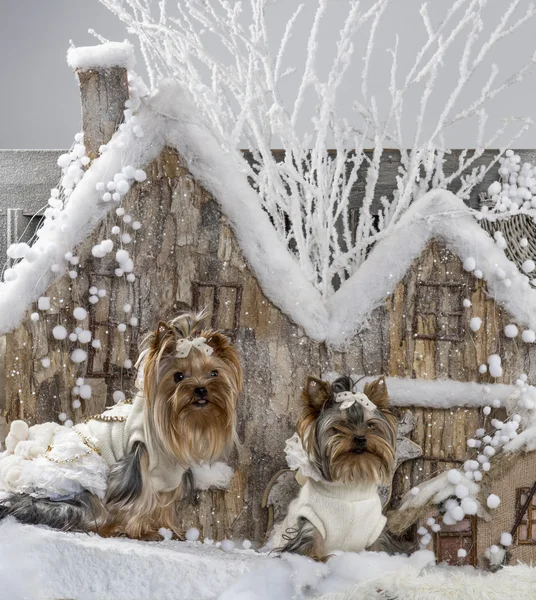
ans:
(148, 453)
(349, 439)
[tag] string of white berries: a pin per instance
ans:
(516, 192)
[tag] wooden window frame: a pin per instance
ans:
(439, 286)
(526, 515)
(470, 533)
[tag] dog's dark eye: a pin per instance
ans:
(370, 425)
(214, 373)
(178, 376)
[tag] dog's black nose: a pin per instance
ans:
(360, 442)
(202, 392)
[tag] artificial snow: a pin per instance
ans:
(109, 54)
(444, 583)
(81, 214)
(441, 393)
(88, 567)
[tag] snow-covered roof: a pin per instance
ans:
(168, 118)
(109, 54)
(440, 215)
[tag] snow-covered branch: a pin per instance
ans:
(224, 54)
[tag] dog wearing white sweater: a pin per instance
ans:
(125, 472)
(349, 440)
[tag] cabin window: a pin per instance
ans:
(452, 538)
(526, 508)
(439, 311)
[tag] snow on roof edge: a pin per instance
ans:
(219, 172)
(109, 54)
(83, 211)
(439, 214)
(442, 393)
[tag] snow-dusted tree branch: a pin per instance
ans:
(222, 53)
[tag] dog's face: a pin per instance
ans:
(348, 445)
(192, 398)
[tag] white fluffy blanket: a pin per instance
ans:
(454, 583)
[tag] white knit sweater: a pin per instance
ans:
(53, 461)
(348, 517)
(116, 438)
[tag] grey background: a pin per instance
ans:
(39, 106)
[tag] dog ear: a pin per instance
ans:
(376, 391)
(315, 393)
(224, 350)
(163, 338)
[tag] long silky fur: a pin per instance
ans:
(83, 513)
(131, 506)
(305, 540)
(208, 440)
(125, 479)
(327, 433)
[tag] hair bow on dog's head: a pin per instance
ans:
(348, 399)
(184, 346)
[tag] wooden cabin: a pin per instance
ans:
(187, 257)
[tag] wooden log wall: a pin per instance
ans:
(186, 257)
(430, 338)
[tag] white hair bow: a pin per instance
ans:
(348, 399)
(184, 346)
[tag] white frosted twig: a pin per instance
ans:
(222, 54)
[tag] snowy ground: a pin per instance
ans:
(41, 564)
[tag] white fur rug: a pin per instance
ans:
(437, 583)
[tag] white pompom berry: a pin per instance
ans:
(118, 396)
(454, 476)
(85, 391)
(469, 264)
(528, 266)
(475, 323)
(469, 505)
(43, 303)
(59, 332)
(192, 534)
(528, 336)
(78, 356)
(511, 331)
(493, 501)
(227, 545)
(79, 313)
